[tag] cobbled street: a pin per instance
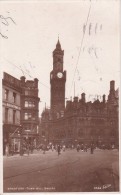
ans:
(71, 171)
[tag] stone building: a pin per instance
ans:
(79, 121)
(11, 93)
(30, 110)
(20, 104)
(84, 122)
(57, 82)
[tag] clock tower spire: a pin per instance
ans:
(57, 80)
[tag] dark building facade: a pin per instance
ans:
(11, 105)
(20, 104)
(81, 121)
(30, 109)
(57, 82)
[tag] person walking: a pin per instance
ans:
(12, 149)
(7, 150)
(85, 147)
(78, 148)
(31, 148)
(82, 147)
(58, 149)
(28, 149)
(92, 148)
(64, 147)
(44, 148)
(52, 148)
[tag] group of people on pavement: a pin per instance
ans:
(10, 149)
(63, 148)
(28, 148)
(56, 147)
(84, 147)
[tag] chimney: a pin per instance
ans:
(83, 97)
(23, 80)
(68, 104)
(36, 82)
(75, 99)
(112, 85)
(103, 98)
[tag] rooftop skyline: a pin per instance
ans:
(88, 33)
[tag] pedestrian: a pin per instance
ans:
(64, 147)
(12, 149)
(28, 149)
(82, 147)
(7, 150)
(52, 147)
(31, 148)
(85, 147)
(43, 149)
(58, 149)
(22, 150)
(92, 148)
(78, 148)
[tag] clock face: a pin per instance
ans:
(59, 75)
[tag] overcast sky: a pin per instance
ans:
(91, 54)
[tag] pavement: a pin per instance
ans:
(71, 171)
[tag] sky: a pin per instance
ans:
(89, 35)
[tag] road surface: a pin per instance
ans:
(71, 171)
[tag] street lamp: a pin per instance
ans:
(44, 145)
(75, 142)
(21, 141)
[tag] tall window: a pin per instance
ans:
(14, 97)
(6, 94)
(30, 104)
(62, 113)
(6, 115)
(26, 103)
(26, 92)
(58, 115)
(27, 116)
(14, 116)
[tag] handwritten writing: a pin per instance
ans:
(5, 21)
(92, 28)
(93, 50)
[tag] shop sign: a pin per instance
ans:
(11, 106)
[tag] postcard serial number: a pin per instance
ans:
(102, 187)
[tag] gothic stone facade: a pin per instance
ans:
(80, 121)
(84, 122)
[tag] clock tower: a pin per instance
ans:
(57, 80)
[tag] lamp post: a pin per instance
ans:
(21, 141)
(75, 143)
(44, 145)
